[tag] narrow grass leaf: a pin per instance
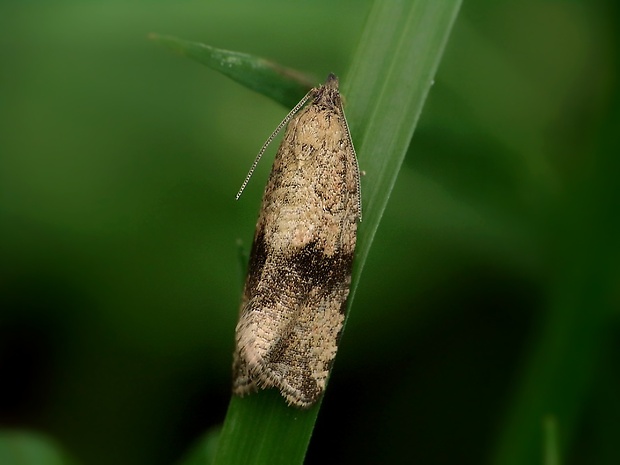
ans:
(284, 85)
(385, 89)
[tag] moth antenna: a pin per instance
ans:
(357, 166)
(284, 122)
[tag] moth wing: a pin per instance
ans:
(262, 323)
(242, 381)
(299, 364)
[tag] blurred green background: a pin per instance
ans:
(488, 303)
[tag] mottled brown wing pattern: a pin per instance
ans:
(300, 265)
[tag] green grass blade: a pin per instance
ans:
(284, 85)
(385, 90)
(262, 429)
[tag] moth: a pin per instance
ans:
(299, 274)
